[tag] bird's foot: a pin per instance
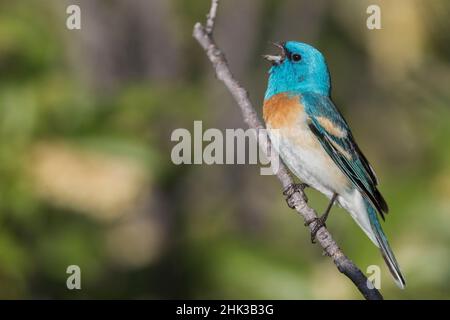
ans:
(291, 189)
(319, 223)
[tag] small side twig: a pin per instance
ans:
(211, 17)
(205, 38)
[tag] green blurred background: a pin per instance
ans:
(85, 170)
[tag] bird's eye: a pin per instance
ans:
(296, 57)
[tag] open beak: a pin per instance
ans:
(276, 59)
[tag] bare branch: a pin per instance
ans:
(211, 17)
(204, 37)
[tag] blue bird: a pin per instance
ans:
(317, 145)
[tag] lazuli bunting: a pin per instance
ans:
(316, 143)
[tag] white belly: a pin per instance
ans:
(306, 158)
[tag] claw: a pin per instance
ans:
(320, 222)
(290, 190)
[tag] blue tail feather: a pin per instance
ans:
(385, 249)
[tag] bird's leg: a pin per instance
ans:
(320, 221)
(291, 189)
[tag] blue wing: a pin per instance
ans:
(334, 134)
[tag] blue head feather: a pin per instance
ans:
(309, 74)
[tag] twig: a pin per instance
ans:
(211, 17)
(204, 37)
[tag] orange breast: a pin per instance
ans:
(282, 111)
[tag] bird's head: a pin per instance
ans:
(298, 68)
